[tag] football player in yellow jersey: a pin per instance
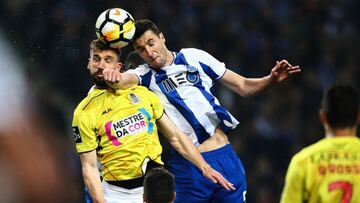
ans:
(329, 170)
(119, 127)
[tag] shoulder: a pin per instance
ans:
(144, 92)
(140, 89)
(86, 102)
(193, 55)
(141, 69)
(310, 150)
(191, 51)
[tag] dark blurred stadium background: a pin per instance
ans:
(322, 36)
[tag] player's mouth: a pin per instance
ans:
(99, 74)
(154, 58)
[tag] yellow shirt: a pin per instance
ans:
(325, 172)
(121, 128)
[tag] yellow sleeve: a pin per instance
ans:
(84, 135)
(157, 106)
(294, 182)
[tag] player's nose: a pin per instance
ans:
(101, 64)
(149, 51)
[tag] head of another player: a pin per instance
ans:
(340, 108)
(101, 57)
(132, 61)
(149, 42)
(159, 186)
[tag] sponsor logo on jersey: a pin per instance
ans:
(106, 111)
(131, 125)
(190, 77)
(76, 133)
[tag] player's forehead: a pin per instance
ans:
(145, 38)
(104, 53)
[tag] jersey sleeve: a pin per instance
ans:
(143, 72)
(84, 135)
(157, 106)
(294, 182)
(211, 66)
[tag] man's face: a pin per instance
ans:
(99, 60)
(152, 49)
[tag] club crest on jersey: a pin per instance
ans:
(192, 74)
(134, 99)
(191, 69)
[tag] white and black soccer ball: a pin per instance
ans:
(115, 27)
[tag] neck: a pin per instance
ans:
(169, 58)
(99, 87)
(333, 132)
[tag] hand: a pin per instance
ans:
(282, 70)
(111, 75)
(216, 177)
(112, 78)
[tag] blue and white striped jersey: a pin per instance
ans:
(184, 88)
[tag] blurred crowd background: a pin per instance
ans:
(51, 41)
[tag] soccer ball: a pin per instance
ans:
(115, 27)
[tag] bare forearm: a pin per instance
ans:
(127, 80)
(245, 86)
(188, 150)
(181, 142)
(93, 183)
(118, 80)
(253, 86)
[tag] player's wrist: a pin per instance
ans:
(205, 168)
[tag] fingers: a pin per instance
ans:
(224, 183)
(294, 69)
(286, 66)
(110, 75)
(216, 177)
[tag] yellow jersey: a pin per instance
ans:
(325, 172)
(121, 128)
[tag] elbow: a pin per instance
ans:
(243, 92)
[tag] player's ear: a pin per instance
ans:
(88, 65)
(323, 117)
(174, 197)
(358, 118)
(119, 65)
(162, 37)
(145, 199)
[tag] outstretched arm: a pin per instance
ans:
(250, 86)
(91, 175)
(119, 80)
(187, 149)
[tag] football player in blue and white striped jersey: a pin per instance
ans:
(183, 80)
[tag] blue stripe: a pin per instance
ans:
(151, 124)
(220, 111)
(180, 59)
(176, 100)
(208, 71)
(145, 79)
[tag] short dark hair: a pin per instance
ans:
(97, 45)
(341, 104)
(159, 185)
(132, 61)
(144, 25)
